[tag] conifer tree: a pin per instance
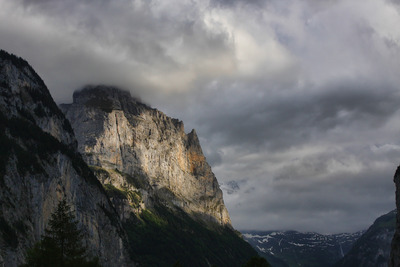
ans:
(62, 243)
(257, 262)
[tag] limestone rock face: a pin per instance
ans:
(39, 166)
(117, 132)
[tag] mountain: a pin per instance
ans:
(395, 247)
(39, 166)
(148, 198)
(116, 131)
(158, 178)
(372, 249)
(293, 248)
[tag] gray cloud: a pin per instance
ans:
(305, 190)
(231, 3)
(276, 121)
(141, 45)
(297, 101)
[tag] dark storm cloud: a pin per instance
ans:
(295, 101)
(279, 121)
(305, 191)
(346, 126)
(142, 45)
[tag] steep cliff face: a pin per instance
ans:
(39, 166)
(372, 249)
(123, 136)
(395, 251)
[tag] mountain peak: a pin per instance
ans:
(105, 91)
(105, 97)
(116, 131)
(24, 94)
(20, 63)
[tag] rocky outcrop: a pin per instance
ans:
(119, 134)
(372, 249)
(39, 166)
(395, 249)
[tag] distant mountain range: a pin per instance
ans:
(369, 248)
(293, 248)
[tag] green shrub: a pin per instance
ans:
(112, 191)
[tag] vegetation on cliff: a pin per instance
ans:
(163, 237)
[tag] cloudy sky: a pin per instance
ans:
(296, 102)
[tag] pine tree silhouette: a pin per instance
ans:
(62, 243)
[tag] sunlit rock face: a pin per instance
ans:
(39, 166)
(119, 133)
